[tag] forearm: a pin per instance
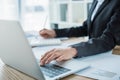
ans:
(72, 32)
(106, 42)
(94, 46)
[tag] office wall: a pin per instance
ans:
(9, 9)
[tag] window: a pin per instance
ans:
(34, 14)
(9, 9)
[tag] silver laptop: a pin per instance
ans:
(16, 52)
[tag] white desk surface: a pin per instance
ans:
(104, 61)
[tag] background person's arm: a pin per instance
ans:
(73, 32)
(66, 32)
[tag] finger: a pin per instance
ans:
(45, 57)
(40, 32)
(52, 57)
(43, 61)
(41, 57)
(44, 31)
(45, 35)
(40, 60)
(47, 53)
(59, 59)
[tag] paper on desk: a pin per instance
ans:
(99, 74)
(36, 34)
(31, 33)
(33, 41)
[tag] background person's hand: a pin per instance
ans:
(45, 33)
(58, 55)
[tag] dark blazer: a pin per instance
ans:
(103, 31)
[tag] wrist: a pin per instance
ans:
(73, 51)
(54, 34)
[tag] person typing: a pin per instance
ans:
(102, 26)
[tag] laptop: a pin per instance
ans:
(16, 52)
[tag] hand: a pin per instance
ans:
(47, 33)
(58, 55)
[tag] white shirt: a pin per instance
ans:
(96, 8)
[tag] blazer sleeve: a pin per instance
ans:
(104, 43)
(73, 32)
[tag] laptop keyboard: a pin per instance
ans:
(53, 70)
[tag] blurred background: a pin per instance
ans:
(39, 14)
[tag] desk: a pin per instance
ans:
(7, 73)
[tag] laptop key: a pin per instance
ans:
(53, 70)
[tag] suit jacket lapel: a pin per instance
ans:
(97, 13)
(92, 7)
(90, 13)
(101, 8)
